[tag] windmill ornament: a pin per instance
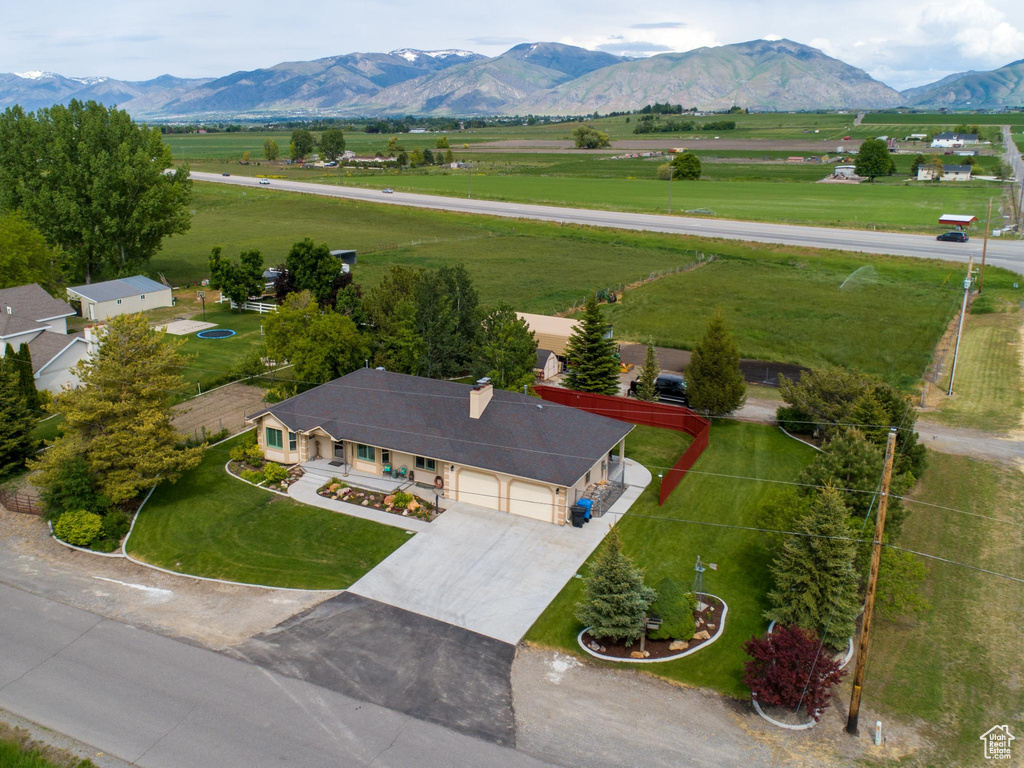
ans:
(698, 581)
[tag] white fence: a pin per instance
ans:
(251, 306)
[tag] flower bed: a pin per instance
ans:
(267, 474)
(710, 623)
(398, 503)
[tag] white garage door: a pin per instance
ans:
(531, 500)
(479, 488)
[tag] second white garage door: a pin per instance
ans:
(478, 488)
(531, 500)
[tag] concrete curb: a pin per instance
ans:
(81, 549)
(227, 468)
(701, 647)
(812, 445)
(846, 659)
(802, 727)
(412, 525)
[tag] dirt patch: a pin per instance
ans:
(210, 614)
(223, 408)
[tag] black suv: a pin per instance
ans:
(954, 237)
(672, 389)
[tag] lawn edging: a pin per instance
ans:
(124, 547)
(702, 646)
(227, 468)
(801, 727)
(799, 440)
(846, 658)
(81, 549)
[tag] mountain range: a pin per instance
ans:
(531, 78)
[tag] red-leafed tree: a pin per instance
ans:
(786, 662)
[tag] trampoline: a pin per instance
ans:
(215, 333)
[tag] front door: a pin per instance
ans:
(339, 451)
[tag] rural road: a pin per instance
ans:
(1001, 253)
(157, 702)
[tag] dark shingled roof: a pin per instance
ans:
(47, 345)
(24, 306)
(516, 434)
(542, 357)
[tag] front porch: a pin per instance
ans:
(323, 469)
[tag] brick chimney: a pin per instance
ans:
(479, 397)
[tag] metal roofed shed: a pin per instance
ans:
(122, 296)
(957, 220)
(347, 256)
(551, 332)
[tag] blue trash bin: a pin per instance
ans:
(588, 505)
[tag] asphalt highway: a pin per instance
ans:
(159, 703)
(1001, 252)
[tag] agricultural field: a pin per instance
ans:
(944, 119)
(536, 266)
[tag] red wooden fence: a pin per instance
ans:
(648, 414)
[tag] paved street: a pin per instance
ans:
(1001, 253)
(158, 702)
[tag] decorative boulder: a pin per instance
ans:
(678, 645)
(335, 486)
(413, 505)
(636, 655)
(389, 499)
(702, 635)
(594, 645)
(366, 503)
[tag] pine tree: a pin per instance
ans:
(593, 365)
(847, 461)
(615, 599)
(815, 582)
(26, 378)
(120, 418)
(868, 415)
(714, 382)
(16, 420)
(645, 389)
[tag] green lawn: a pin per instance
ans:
(659, 540)
(13, 756)
(956, 670)
(211, 524)
(800, 311)
(213, 358)
(47, 427)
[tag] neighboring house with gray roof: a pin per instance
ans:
(124, 296)
(29, 315)
(489, 448)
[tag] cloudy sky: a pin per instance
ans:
(901, 43)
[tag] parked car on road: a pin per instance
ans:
(953, 237)
(670, 388)
(388, 191)
(264, 181)
(225, 174)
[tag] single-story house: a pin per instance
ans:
(123, 296)
(29, 315)
(552, 332)
(485, 447)
(547, 364)
(948, 139)
(949, 173)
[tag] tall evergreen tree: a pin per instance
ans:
(615, 598)
(437, 328)
(466, 307)
(508, 352)
(593, 364)
(645, 384)
(868, 415)
(120, 418)
(27, 379)
(815, 582)
(714, 382)
(16, 420)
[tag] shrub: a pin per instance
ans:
(615, 598)
(402, 499)
(675, 609)
(793, 419)
(115, 525)
(72, 488)
(239, 452)
(79, 527)
(254, 455)
(274, 472)
(253, 476)
(786, 670)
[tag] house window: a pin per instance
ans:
(428, 464)
(293, 441)
(274, 438)
(366, 452)
(586, 480)
(118, 301)
(143, 296)
(385, 456)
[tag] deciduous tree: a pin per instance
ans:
(320, 343)
(312, 268)
(94, 183)
(815, 585)
(332, 144)
(119, 420)
(588, 137)
(615, 598)
(592, 362)
(687, 166)
(270, 150)
(508, 351)
(303, 142)
(441, 142)
(24, 255)
(237, 280)
(874, 160)
(714, 382)
(786, 670)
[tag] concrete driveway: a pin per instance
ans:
(487, 571)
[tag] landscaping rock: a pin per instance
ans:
(413, 505)
(366, 503)
(702, 635)
(636, 655)
(389, 499)
(594, 645)
(335, 486)
(678, 645)
(646, 654)
(711, 626)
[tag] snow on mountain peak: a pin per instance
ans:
(33, 74)
(89, 80)
(412, 54)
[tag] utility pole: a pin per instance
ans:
(960, 327)
(984, 247)
(869, 602)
